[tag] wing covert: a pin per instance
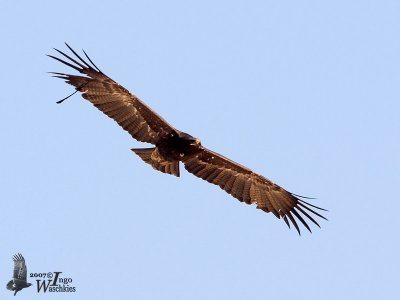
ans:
(19, 267)
(251, 188)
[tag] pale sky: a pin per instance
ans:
(305, 93)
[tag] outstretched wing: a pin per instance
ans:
(118, 103)
(19, 267)
(251, 188)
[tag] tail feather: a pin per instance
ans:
(153, 158)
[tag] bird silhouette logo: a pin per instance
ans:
(19, 276)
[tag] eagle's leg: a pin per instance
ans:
(152, 157)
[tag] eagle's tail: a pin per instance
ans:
(153, 158)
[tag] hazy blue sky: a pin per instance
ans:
(304, 92)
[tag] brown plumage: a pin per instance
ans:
(173, 146)
(19, 275)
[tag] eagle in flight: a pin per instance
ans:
(19, 276)
(173, 146)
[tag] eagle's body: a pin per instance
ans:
(169, 151)
(173, 146)
(178, 145)
(17, 285)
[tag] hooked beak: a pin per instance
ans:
(196, 142)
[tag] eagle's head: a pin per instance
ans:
(194, 145)
(195, 142)
(190, 144)
(191, 140)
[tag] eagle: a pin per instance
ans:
(172, 146)
(19, 276)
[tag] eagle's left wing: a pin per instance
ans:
(250, 187)
(19, 267)
(143, 124)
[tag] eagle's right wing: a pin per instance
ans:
(249, 187)
(19, 267)
(143, 124)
